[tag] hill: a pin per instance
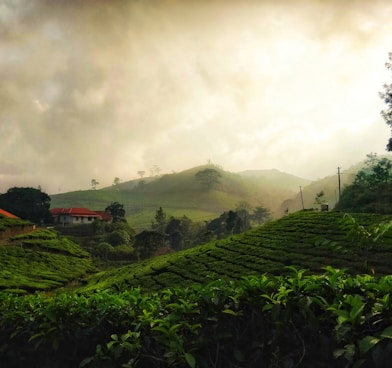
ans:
(181, 194)
(39, 260)
(309, 240)
(328, 185)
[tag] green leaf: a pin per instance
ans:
(190, 359)
(367, 343)
(387, 333)
(230, 311)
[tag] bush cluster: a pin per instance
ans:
(268, 321)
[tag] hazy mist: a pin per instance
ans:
(103, 89)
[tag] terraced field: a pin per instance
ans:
(41, 260)
(308, 240)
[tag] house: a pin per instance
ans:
(7, 214)
(75, 215)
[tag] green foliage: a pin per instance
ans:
(147, 243)
(27, 203)
(208, 177)
(308, 240)
(371, 190)
(41, 260)
(116, 210)
(326, 320)
(386, 96)
(261, 215)
(118, 237)
(160, 221)
(6, 222)
(364, 237)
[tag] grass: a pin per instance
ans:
(308, 240)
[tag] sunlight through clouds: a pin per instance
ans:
(111, 89)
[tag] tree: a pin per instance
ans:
(141, 173)
(208, 177)
(117, 211)
(27, 203)
(147, 243)
(118, 237)
(371, 190)
(94, 184)
(387, 97)
(319, 199)
(116, 181)
(160, 221)
(155, 170)
(260, 215)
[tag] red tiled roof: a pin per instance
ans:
(74, 211)
(104, 215)
(7, 214)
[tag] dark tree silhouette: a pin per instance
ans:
(27, 203)
(208, 177)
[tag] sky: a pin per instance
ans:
(94, 89)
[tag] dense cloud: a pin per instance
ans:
(102, 89)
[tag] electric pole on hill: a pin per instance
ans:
(339, 182)
(302, 198)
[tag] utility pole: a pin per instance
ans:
(339, 182)
(302, 198)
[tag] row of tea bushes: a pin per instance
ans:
(296, 320)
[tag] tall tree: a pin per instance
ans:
(117, 211)
(261, 215)
(27, 203)
(160, 221)
(94, 184)
(387, 97)
(208, 177)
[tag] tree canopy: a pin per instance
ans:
(27, 203)
(117, 211)
(208, 177)
(371, 190)
(386, 95)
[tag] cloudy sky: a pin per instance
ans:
(104, 89)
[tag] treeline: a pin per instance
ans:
(182, 233)
(371, 190)
(118, 241)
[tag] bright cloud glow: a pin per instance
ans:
(105, 90)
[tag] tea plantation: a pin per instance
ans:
(308, 240)
(309, 290)
(40, 260)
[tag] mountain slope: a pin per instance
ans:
(181, 194)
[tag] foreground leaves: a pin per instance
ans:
(331, 319)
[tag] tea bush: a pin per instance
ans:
(325, 320)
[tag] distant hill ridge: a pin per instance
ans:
(181, 194)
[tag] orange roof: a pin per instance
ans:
(74, 211)
(104, 215)
(7, 214)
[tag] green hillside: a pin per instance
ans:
(40, 260)
(181, 194)
(309, 240)
(328, 185)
